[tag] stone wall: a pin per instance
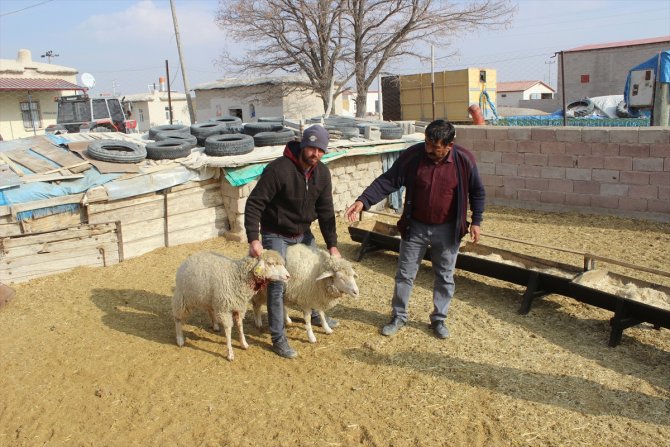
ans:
(621, 171)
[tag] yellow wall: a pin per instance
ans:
(455, 91)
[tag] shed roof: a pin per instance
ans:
(246, 82)
(624, 43)
(7, 84)
(519, 86)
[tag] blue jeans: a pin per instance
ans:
(275, 290)
(443, 251)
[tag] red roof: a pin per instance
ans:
(37, 84)
(625, 43)
(518, 86)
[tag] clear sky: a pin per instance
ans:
(124, 43)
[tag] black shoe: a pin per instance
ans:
(393, 327)
(439, 329)
(332, 322)
(282, 349)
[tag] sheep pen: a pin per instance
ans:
(89, 358)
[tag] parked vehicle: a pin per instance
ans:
(80, 113)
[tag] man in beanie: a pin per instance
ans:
(293, 191)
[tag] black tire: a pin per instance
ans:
(169, 149)
(583, 107)
(229, 121)
(204, 130)
(180, 128)
(390, 133)
(273, 138)
(171, 135)
(254, 128)
(229, 144)
(116, 151)
(345, 131)
(272, 119)
(622, 111)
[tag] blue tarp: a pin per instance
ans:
(660, 61)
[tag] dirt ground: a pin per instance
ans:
(88, 358)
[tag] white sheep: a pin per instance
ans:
(318, 281)
(223, 287)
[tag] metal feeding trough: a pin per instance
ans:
(541, 277)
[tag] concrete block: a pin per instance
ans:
(504, 169)
(654, 136)
(595, 135)
(658, 206)
(489, 157)
(372, 133)
(648, 164)
(613, 189)
(590, 162)
(609, 202)
(562, 160)
(471, 132)
(491, 180)
(634, 150)
(606, 149)
(529, 171)
(659, 150)
(577, 199)
(486, 168)
(569, 134)
(619, 163)
(633, 204)
(634, 178)
(561, 185)
(514, 182)
(624, 135)
(529, 147)
(519, 133)
(552, 197)
(483, 145)
(578, 148)
(605, 175)
(664, 193)
(659, 178)
(496, 133)
(550, 172)
(554, 147)
(536, 159)
(543, 134)
(527, 195)
(537, 184)
(586, 187)
(512, 159)
(505, 146)
(643, 191)
(577, 174)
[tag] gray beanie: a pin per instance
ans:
(315, 136)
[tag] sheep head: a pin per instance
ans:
(342, 277)
(269, 266)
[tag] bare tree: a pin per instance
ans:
(291, 36)
(379, 31)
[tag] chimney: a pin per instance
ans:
(161, 83)
(24, 57)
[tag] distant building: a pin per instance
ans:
(250, 99)
(350, 105)
(601, 69)
(27, 92)
(509, 94)
(152, 109)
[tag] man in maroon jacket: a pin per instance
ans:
(440, 178)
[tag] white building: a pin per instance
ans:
(508, 94)
(153, 109)
(27, 94)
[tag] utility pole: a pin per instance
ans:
(114, 85)
(432, 77)
(49, 54)
(550, 63)
(191, 113)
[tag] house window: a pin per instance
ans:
(235, 112)
(585, 79)
(547, 95)
(534, 96)
(504, 95)
(30, 112)
(167, 113)
(140, 112)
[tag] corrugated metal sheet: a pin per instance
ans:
(519, 86)
(625, 43)
(37, 84)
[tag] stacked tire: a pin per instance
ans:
(274, 138)
(228, 144)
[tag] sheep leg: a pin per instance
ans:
(324, 323)
(258, 319)
(180, 333)
(227, 321)
(212, 317)
(237, 316)
(287, 319)
(308, 325)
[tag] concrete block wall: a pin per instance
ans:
(620, 171)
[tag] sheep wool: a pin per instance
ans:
(318, 281)
(223, 287)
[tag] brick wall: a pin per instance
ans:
(621, 171)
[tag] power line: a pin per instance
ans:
(27, 7)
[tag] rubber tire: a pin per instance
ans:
(273, 138)
(169, 149)
(254, 128)
(116, 151)
(272, 119)
(622, 111)
(229, 121)
(204, 130)
(345, 131)
(583, 107)
(171, 135)
(181, 128)
(229, 144)
(390, 133)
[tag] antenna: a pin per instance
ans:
(88, 80)
(49, 54)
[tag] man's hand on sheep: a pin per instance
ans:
(255, 248)
(334, 252)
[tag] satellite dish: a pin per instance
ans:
(88, 80)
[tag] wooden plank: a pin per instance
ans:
(197, 201)
(71, 168)
(123, 203)
(195, 184)
(61, 156)
(97, 194)
(142, 230)
(51, 222)
(32, 178)
(138, 247)
(199, 233)
(82, 231)
(8, 229)
(66, 256)
(11, 164)
(8, 178)
(57, 246)
(196, 218)
(46, 203)
(138, 213)
(33, 163)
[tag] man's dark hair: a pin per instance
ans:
(440, 132)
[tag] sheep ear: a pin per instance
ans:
(324, 275)
(259, 270)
